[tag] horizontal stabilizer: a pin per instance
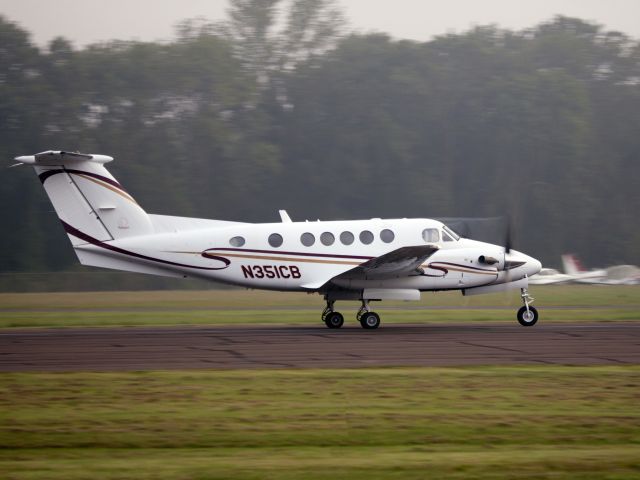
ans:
(59, 157)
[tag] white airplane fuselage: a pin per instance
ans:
(208, 253)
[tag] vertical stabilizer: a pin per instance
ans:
(91, 204)
(572, 265)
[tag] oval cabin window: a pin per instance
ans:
(347, 238)
(387, 236)
(327, 238)
(366, 237)
(236, 241)
(275, 240)
(307, 239)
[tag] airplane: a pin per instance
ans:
(573, 267)
(614, 275)
(362, 260)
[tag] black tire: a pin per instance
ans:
(334, 320)
(527, 320)
(370, 320)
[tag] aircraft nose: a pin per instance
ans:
(523, 264)
(532, 266)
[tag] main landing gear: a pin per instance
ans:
(527, 315)
(331, 318)
(368, 319)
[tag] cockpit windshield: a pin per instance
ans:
(451, 233)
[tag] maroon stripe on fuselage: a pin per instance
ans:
(88, 238)
(463, 266)
(301, 254)
(441, 269)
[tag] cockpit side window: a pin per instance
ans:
(431, 235)
(446, 237)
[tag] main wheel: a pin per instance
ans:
(370, 320)
(334, 320)
(527, 318)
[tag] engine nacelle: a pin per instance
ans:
(487, 260)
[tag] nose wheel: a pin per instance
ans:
(527, 316)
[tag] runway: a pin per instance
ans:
(135, 348)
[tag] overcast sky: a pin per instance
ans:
(89, 21)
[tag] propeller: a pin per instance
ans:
(508, 236)
(508, 246)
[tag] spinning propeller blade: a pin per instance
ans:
(508, 236)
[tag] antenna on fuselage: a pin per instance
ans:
(284, 216)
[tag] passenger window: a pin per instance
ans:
(366, 237)
(430, 235)
(387, 236)
(327, 238)
(446, 237)
(307, 239)
(347, 238)
(275, 240)
(236, 241)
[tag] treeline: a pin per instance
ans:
(230, 122)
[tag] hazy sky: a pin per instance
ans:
(88, 21)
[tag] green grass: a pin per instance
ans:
(556, 304)
(395, 423)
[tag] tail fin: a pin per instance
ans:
(572, 265)
(91, 204)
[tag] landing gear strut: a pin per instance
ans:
(331, 318)
(527, 315)
(368, 319)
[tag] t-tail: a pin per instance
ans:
(91, 204)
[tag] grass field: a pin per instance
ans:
(556, 303)
(396, 423)
(533, 422)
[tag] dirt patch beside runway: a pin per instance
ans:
(103, 349)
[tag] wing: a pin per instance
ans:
(402, 262)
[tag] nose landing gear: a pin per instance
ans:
(527, 315)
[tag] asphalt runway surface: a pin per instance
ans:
(227, 347)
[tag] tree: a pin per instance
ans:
(311, 28)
